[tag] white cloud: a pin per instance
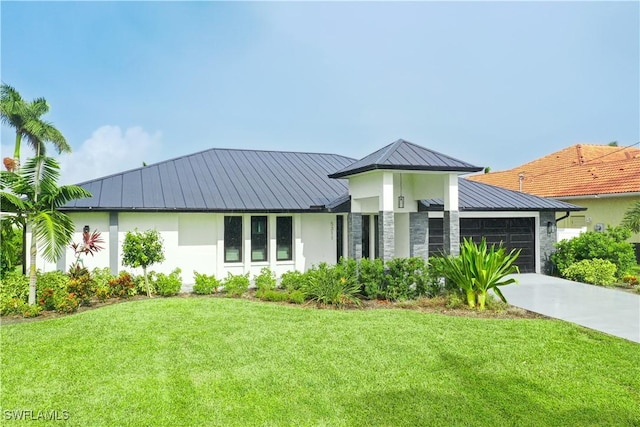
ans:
(109, 151)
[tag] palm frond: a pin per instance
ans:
(53, 231)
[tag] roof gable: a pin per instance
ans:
(405, 155)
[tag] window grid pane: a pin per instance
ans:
(259, 238)
(232, 239)
(284, 238)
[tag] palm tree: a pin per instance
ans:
(33, 195)
(631, 219)
(25, 118)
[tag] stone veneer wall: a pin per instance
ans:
(547, 242)
(452, 232)
(354, 231)
(419, 234)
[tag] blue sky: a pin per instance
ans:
(492, 83)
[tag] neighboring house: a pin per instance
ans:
(602, 178)
(229, 210)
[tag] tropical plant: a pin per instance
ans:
(331, 285)
(25, 118)
(10, 246)
(479, 268)
(89, 246)
(33, 195)
(142, 250)
(631, 219)
(371, 278)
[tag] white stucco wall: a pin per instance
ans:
(195, 242)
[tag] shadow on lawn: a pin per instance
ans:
(468, 393)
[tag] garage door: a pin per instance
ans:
(514, 233)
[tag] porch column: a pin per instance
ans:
(386, 220)
(386, 236)
(451, 216)
(419, 234)
(354, 238)
(113, 242)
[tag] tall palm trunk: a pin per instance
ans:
(32, 271)
(16, 150)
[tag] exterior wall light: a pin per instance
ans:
(86, 229)
(551, 227)
(401, 202)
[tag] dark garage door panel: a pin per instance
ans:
(514, 233)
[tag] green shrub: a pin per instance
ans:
(292, 280)
(122, 286)
(52, 289)
(101, 278)
(630, 280)
(611, 245)
(371, 278)
(454, 300)
(140, 288)
(272, 295)
(81, 284)
(31, 310)
(13, 305)
(14, 285)
(595, 271)
(169, 284)
(204, 284)
(296, 297)
(236, 284)
(436, 283)
(406, 278)
(265, 280)
(332, 285)
(67, 304)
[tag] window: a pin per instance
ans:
(339, 237)
(376, 235)
(284, 238)
(366, 237)
(232, 239)
(258, 238)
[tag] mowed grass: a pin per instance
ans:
(214, 361)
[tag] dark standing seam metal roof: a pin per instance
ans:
(269, 181)
(222, 180)
(404, 155)
(476, 196)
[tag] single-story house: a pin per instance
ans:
(236, 210)
(602, 178)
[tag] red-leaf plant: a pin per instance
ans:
(91, 242)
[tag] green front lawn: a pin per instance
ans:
(214, 361)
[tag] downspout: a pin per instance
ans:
(563, 217)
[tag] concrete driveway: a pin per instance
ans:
(611, 311)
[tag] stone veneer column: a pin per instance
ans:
(419, 234)
(452, 233)
(354, 230)
(386, 235)
(547, 242)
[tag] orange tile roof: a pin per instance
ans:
(582, 169)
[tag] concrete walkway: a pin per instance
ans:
(611, 311)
